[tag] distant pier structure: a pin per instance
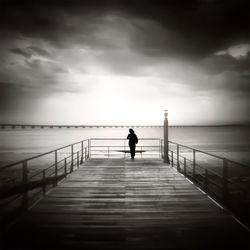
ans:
(32, 126)
(41, 126)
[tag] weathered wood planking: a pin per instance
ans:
(116, 204)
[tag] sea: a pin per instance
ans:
(231, 142)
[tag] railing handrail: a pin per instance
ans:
(124, 139)
(40, 155)
(220, 186)
(63, 147)
(210, 154)
(122, 146)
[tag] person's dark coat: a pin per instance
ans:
(133, 140)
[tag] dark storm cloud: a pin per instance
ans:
(189, 30)
(30, 51)
(39, 51)
(193, 28)
(45, 66)
(200, 28)
(219, 63)
(21, 52)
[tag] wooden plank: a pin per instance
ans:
(124, 204)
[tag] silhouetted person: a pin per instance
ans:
(133, 140)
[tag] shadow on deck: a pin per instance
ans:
(125, 204)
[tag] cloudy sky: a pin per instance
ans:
(124, 62)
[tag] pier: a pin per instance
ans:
(91, 195)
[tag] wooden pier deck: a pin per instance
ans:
(125, 204)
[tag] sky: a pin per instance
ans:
(124, 62)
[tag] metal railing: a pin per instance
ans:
(35, 176)
(221, 178)
(27, 181)
(118, 148)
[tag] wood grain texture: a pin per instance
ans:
(125, 204)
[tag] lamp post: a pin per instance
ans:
(166, 158)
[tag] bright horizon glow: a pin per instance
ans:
(126, 100)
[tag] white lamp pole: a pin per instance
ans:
(166, 158)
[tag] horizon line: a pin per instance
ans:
(119, 125)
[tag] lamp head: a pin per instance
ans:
(166, 113)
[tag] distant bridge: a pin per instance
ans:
(13, 126)
(33, 126)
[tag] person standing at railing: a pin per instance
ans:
(133, 140)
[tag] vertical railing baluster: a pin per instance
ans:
(108, 151)
(72, 158)
(86, 156)
(185, 166)
(65, 167)
(178, 159)
(225, 181)
(194, 162)
(124, 142)
(160, 156)
(56, 169)
(162, 149)
(77, 159)
(81, 152)
(25, 201)
(172, 159)
(89, 148)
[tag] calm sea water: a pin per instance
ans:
(229, 142)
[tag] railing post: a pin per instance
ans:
(72, 158)
(81, 152)
(185, 166)
(56, 168)
(108, 151)
(77, 158)
(206, 180)
(166, 158)
(25, 202)
(44, 182)
(65, 167)
(194, 162)
(89, 148)
(86, 156)
(178, 158)
(172, 159)
(124, 142)
(160, 148)
(225, 181)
